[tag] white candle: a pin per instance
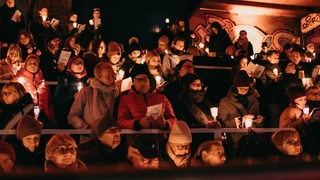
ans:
(214, 112)
(275, 71)
(121, 74)
(306, 110)
(36, 111)
(248, 122)
(207, 50)
(201, 45)
(74, 24)
(44, 18)
(166, 51)
(158, 79)
(79, 86)
(91, 22)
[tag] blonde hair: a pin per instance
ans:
(280, 138)
(16, 47)
(150, 55)
(21, 91)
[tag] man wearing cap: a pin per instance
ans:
(133, 107)
(29, 149)
(107, 148)
(178, 148)
(241, 101)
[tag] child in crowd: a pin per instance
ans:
(61, 155)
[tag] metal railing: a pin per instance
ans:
(217, 132)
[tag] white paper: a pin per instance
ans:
(154, 111)
(81, 27)
(254, 70)
(126, 84)
(54, 22)
(15, 16)
(64, 57)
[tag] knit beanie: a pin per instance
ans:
(148, 146)
(180, 133)
(56, 141)
(295, 92)
(187, 79)
(134, 44)
(139, 69)
(28, 126)
(6, 148)
(180, 64)
(105, 123)
(113, 49)
(242, 79)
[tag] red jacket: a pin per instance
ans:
(133, 106)
(38, 88)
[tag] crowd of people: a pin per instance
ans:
(105, 87)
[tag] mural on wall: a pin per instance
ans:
(275, 40)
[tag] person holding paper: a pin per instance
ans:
(244, 44)
(12, 21)
(133, 107)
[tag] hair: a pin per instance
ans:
(150, 55)
(56, 141)
(32, 56)
(17, 86)
(67, 41)
(217, 26)
(280, 138)
(164, 38)
(205, 146)
(243, 31)
(272, 52)
(96, 44)
(16, 47)
(28, 35)
(101, 67)
(178, 38)
(311, 88)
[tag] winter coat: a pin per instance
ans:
(95, 153)
(68, 86)
(133, 106)
(291, 117)
(7, 112)
(91, 104)
(28, 159)
(38, 88)
(48, 65)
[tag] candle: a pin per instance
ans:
(36, 111)
(74, 24)
(166, 51)
(158, 79)
(248, 122)
(306, 110)
(214, 112)
(79, 86)
(167, 20)
(44, 18)
(207, 50)
(121, 74)
(91, 22)
(275, 71)
(304, 81)
(201, 45)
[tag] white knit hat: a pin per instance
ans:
(180, 133)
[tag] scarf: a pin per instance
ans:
(243, 43)
(190, 99)
(77, 166)
(179, 161)
(104, 98)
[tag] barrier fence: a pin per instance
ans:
(217, 132)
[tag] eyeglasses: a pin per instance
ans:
(293, 143)
(7, 93)
(78, 63)
(149, 160)
(65, 150)
(14, 55)
(196, 85)
(145, 80)
(113, 130)
(243, 88)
